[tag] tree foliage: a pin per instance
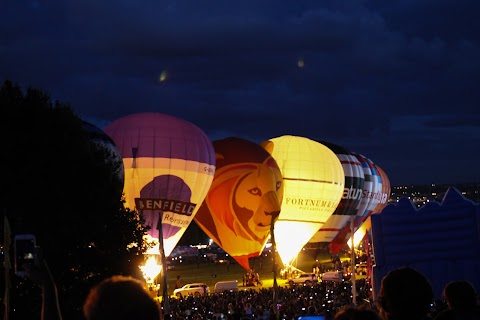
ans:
(64, 189)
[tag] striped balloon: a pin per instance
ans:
(352, 193)
(371, 195)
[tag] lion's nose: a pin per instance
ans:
(271, 204)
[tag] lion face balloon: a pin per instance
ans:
(243, 200)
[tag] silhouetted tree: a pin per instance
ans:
(66, 190)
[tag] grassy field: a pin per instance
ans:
(211, 273)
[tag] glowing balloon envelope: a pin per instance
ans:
(371, 199)
(371, 196)
(352, 193)
(314, 182)
(245, 195)
(386, 190)
(365, 223)
(169, 165)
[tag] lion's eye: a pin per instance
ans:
(279, 184)
(256, 192)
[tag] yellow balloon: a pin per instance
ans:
(313, 187)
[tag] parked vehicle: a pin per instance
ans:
(224, 260)
(194, 289)
(336, 276)
(222, 286)
(303, 279)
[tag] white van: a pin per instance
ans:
(332, 276)
(222, 286)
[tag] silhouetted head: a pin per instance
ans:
(405, 293)
(120, 298)
(460, 295)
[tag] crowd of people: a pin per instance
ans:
(258, 303)
(404, 293)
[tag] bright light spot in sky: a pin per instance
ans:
(163, 76)
(300, 63)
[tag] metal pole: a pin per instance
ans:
(166, 297)
(7, 240)
(275, 285)
(353, 263)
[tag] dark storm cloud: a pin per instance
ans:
(394, 81)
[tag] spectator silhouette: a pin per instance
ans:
(461, 299)
(41, 275)
(405, 293)
(356, 313)
(312, 310)
(178, 284)
(121, 298)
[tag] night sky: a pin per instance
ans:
(396, 81)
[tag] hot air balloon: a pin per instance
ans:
(372, 199)
(314, 183)
(371, 196)
(169, 165)
(386, 190)
(364, 222)
(244, 199)
(101, 139)
(352, 193)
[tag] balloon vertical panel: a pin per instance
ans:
(169, 165)
(384, 196)
(245, 195)
(386, 190)
(372, 198)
